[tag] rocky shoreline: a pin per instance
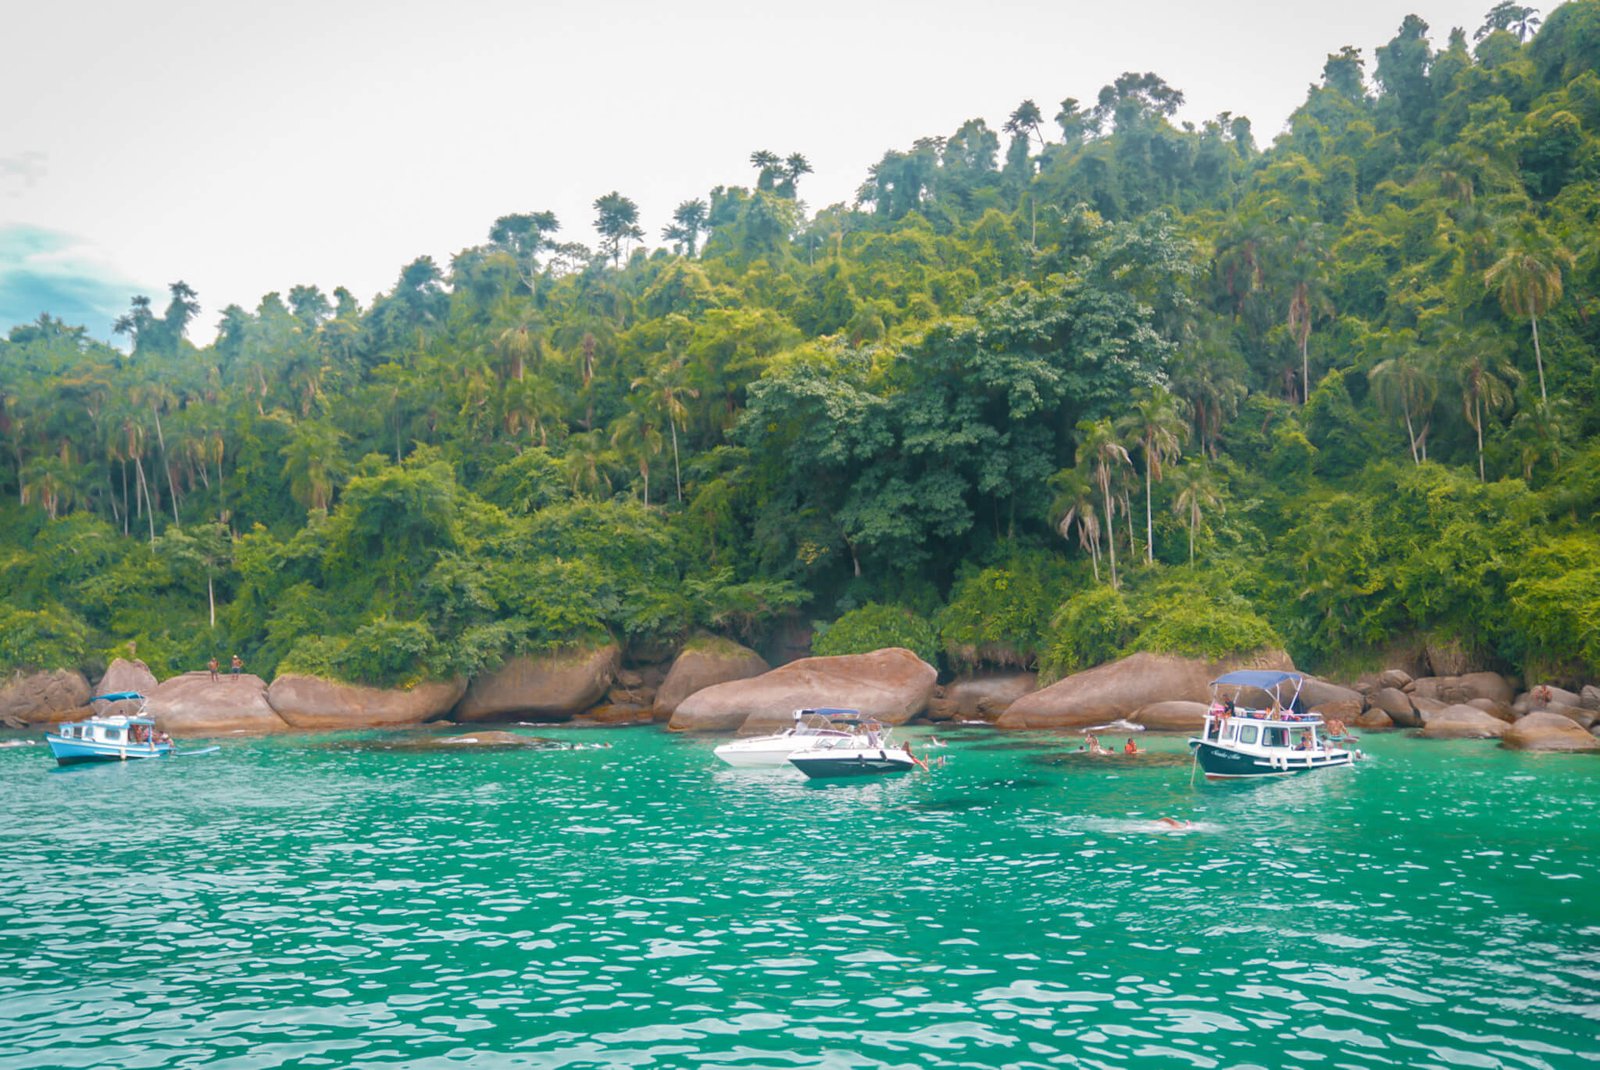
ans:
(715, 685)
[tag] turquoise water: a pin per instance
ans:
(329, 901)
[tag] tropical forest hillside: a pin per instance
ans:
(1094, 382)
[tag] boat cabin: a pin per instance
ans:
(116, 730)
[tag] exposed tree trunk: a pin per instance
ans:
(211, 598)
(1411, 437)
(144, 485)
(1538, 360)
(1111, 532)
(677, 473)
(1149, 524)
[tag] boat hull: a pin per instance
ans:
(854, 764)
(82, 752)
(1226, 763)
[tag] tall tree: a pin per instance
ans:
(1196, 493)
(1527, 279)
(687, 222)
(1025, 120)
(1100, 450)
(1158, 427)
(617, 224)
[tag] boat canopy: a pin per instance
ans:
(1262, 679)
(116, 696)
(834, 711)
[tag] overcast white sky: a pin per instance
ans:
(250, 147)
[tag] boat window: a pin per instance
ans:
(1276, 737)
(113, 734)
(1247, 733)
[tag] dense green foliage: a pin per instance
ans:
(1126, 383)
(873, 627)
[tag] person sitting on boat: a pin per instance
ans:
(1305, 740)
(873, 738)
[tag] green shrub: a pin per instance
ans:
(1202, 628)
(1554, 609)
(1001, 616)
(48, 638)
(875, 626)
(1090, 628)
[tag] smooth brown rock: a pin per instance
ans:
(191, 705)
(124, 675)
(1373, 720)
(1395, 678)
(705, 663)
(1116, 689)
(490, 739)
(44, 698)
(1548, 732)
(1176, 715)
(1425, 707)
(548, 686)
(1463, 722)
(1316, 692)
(308, 702)
(893, 685)
(613, 715)
(985, 698)
(1589, 697)
(1500, 710)
(1543, 696)
(1457, 690)
(1392, 701)
(1578, 714)
(1347, 710)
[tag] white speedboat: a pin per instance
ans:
(867, 751)
(1277, 741)
(768, 752)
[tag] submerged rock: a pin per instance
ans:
(705, 662)
(1119, 688)
(191, 705)
(1548, 732)
(44, 698)
(551, 686)
(1172, 716)
(892, 685)
(310, 702)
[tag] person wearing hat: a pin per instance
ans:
(238, 666)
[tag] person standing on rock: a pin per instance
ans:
(238, 666)
(211, 667)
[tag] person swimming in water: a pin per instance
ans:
(1174, 823)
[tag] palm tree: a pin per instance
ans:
(1304, 260)
(1074, 507)
(635, 433)
(1408, 382)
(617, 223)
(586, 459)
(1196, 493)
(1486, 377)
(687, 222)
(313, 461)
(1159, 429)
(1025, 119)
(1099, 448)
(1528, 281)
(665, 387)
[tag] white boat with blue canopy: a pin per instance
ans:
(1276, 739)
(111, 738)
(810, 727)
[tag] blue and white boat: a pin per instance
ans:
(111, 738)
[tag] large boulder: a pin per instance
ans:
(1374, 720)
(704, 662)
(1174, 715)
(1457, 690)
(550, 686)
(1446, 657)
(1391, 700)
(310, 702)
(44, 698)
(1494, 709)
(1395, 678)
(1117, 689)
(124, 675)
(1463, 722)
(893, 685)
(1584, 717)
(1548, 732)
(191, 705)
(972, 698)
(1426, 708)
(1590, 697)
(1543, 697)
(1316, 694)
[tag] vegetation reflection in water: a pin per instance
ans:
(291, 905)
